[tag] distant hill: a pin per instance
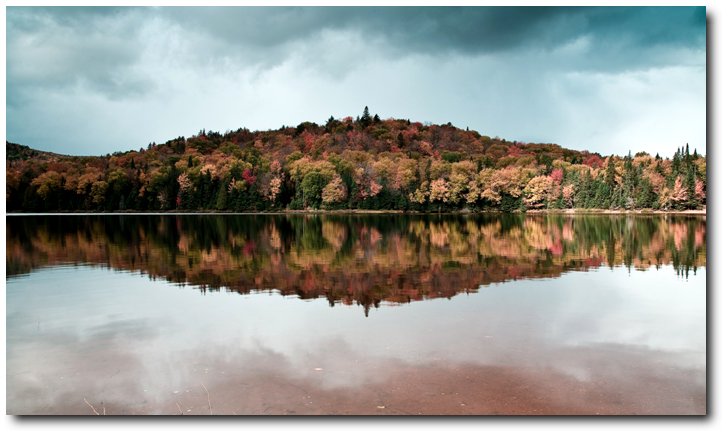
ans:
(365, 163)
(19, 152)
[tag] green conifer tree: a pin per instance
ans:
(366, 118)
(222, 201)
(610, 172)
(692, 201)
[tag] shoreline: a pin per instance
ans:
(399, 212)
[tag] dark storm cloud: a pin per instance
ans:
(81, 17)
(468, 30)
(59, 46)
(50, 48)
(471, 30)
(53, 48)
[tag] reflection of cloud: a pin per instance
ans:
(111, 343)
(55, 371)
(138, 329)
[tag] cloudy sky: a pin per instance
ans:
(98, 80)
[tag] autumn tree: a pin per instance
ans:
(679, 194)
(48, 184)
(335, 191)
(536, 193)
(12, 181)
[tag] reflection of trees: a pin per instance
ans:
(355, 259)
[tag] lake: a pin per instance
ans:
(356, 314)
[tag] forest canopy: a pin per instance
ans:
(364, 163)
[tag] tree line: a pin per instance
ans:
(364, 163)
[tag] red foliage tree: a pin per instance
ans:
(249, 177)
(594, 161)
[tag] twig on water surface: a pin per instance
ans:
(101, 404)
(209, 397)
(179, 408)
(91, 407)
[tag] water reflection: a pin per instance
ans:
(561, 321)
(355, 259)
(601, 341)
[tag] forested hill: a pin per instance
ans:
(17, 152)
(362, 163)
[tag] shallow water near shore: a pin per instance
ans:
(309, 314)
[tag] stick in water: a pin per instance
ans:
(179, 408)
(91, 407)
(209, 397)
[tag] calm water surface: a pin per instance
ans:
(373, 314)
